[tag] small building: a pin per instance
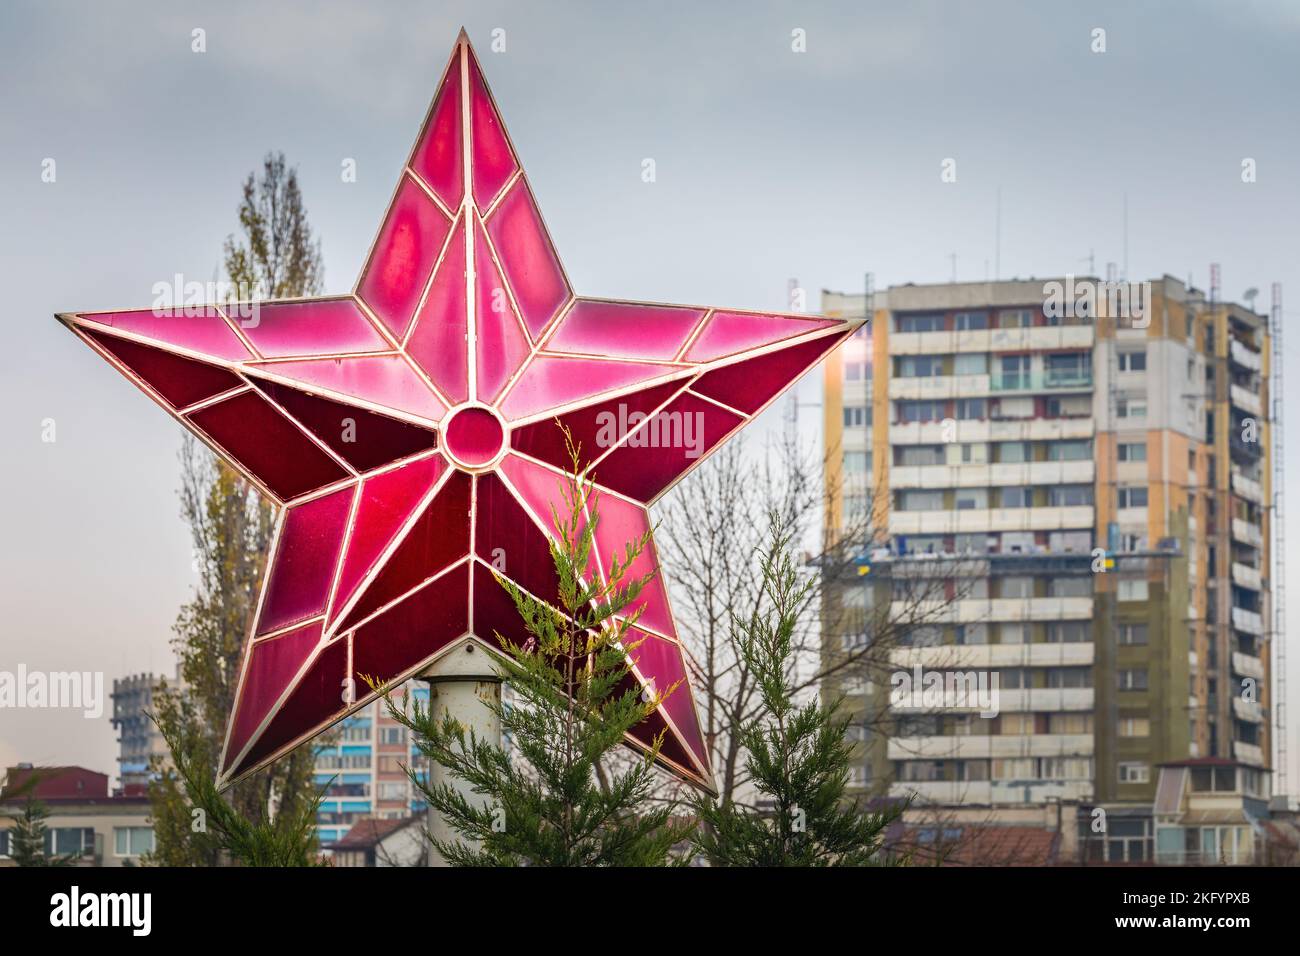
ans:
(83, 819)
(385, 842)
(1213, 810)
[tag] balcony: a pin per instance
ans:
(1248, 753)
(982, 520)
(939, 386)
(1247, 621)
(982, 610)
(1016, 701)
(1246, 399)
(986, 656)
(1247, 666)
(1247, 488)
(1046, 337)
(985, 747)
(1249, 533)
(1247, 710)
(983, 430)
(1244, 356)
(1047, 381)
(1246, 576)
(985, 792)
(986, 474)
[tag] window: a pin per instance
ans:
(1133, 635)
(920, 501)
(1069, 496)
(1134, 678)
(1132, 361)
(1014, 319)
(1012, 452)
(975, 453)
(919, 323)
(1017, 497)
(920, 455)
(855, 416)
(1068, 368)
(971, 408)
(1017, 587)
(1069, 450)
(1069, 677)
(920, 366)
(1135, 727)
(1132, 590)
(1069, 632)
(1131, 407)
(857, 462)
(1069, 723)
(60, 841)
(971, 321)
(1133, 451)
(968, 499)
(853, 642)
(392, 790)
(972, 634)
(1133, 497)
(1076, 586)
(392, 735)
(1134, 773)
(4, 843)
(1015, 371)
(970, 363)
(132, 841)
(1015, 678)
(920, 411)
(855, 371)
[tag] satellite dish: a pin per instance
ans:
(1250, 295)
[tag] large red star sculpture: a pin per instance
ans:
(407, 433)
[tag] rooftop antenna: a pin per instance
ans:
(953, 257)
(997, 239)
(1126, 237)
(1281, 780)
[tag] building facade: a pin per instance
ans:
(1079, 473)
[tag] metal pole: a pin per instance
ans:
(464, 684)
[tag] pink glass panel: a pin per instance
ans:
(381, 379)
(668, 446)
(528, 258)
(180, 381)
(474, 435)
(208, 334)
(542, 490)
(502, 345)
(387, 500)
(551, 381)
(731, 332)
(624, 329)
(361, 438)
(438, 341)
(660, 661)
(319, 327)
(500, 522)
(493, 161)
(594, 428)
(749, 385)
(439, 153)
(413, 630)
(272, 666)
(403, 257)
(316, 702)
(439, 537)
(619, 524)
(268, 445)
(298, 580)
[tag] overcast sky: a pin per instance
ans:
(771, 164)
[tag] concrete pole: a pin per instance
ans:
(462, 683)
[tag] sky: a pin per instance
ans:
(771, 163)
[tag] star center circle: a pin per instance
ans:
(474, 437)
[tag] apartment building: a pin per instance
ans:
(1080, 476)
(138, 738)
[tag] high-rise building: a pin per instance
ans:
(1079, 473)
(138, 739)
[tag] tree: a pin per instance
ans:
(575, 699)
(796, 754)
(27, 838)
(231, 529)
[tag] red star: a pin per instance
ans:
(407, 432)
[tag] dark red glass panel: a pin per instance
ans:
(403, 257)
(272, 665)
(543, 491)
(438, 343)
(595, 428)
(387, 501)
(361, 438)
(298, 580)
(669, 444)
(439, 155)
(508, 540)
(748, 385)
(180, 381)
(529, 260)
(268, 445)
(439, 537)
(413, 630)
(474, 436)
(660, 662)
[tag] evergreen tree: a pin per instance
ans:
(574, 700)
(796, 755)
(231, 529)
(28, 837)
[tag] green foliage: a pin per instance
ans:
(231, 528)
(796, 755)
(556, 803)
(217, 826)
(28, 834)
